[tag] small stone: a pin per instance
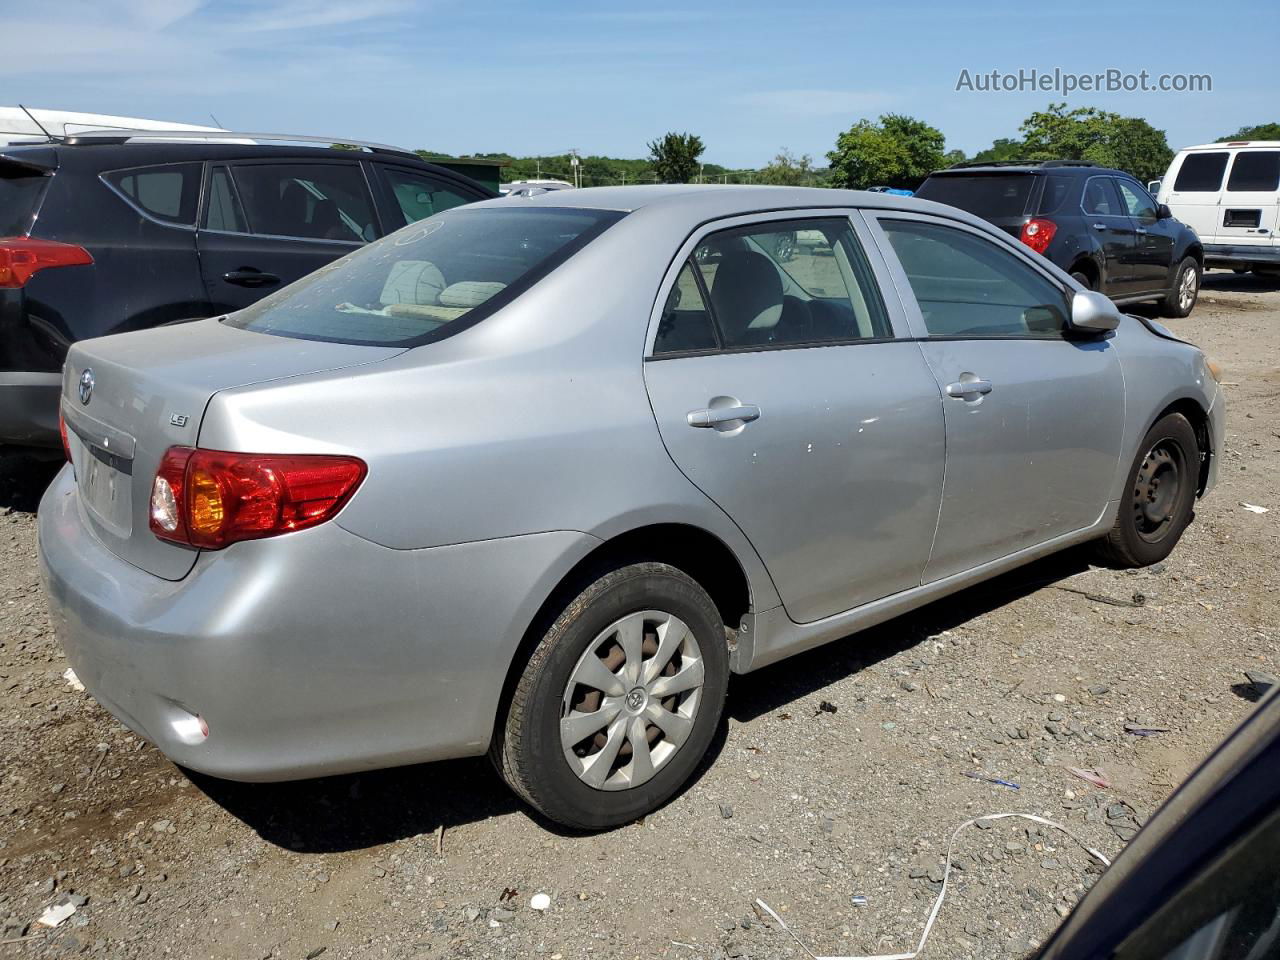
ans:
(77, 900)
(316, 952)
(726, 811)
(984, 824)
(1099, 689)
(502, 914)
(1061, 909)
(542, 901)
(909, 685)
(826, 825)
(162, 826)
(1049, 863)
(333, 925)
(378, 872)
(48, 886)
(472, 913)
(1059, 698)
(888, 725)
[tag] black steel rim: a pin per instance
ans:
(1157, 490)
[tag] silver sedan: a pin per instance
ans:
(534, 479)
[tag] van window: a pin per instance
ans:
(1257, 170)
(169, 193)
(1201, 173)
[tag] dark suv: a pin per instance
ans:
(102, 233)
(1099, 225)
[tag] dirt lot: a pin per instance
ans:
(800, 805)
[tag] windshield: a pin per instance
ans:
(985, 195)
(428, 280)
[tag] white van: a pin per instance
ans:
(30, 125)
(1229, 193)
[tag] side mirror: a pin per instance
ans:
(1093, 312)
(1163, 212)
(1153, 186)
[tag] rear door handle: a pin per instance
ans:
(1099, 226)
(968, 388)
(719, 416)
(251, 278)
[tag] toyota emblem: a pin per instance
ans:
(86, 386)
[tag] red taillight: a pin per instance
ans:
(1038, 234)
(208, 498)
(62, 432)
(20, 257)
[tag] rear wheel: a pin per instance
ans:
(1159, 498)
(1182, 296)
(619, 701)
(1082, 278)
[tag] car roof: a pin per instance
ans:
(1234, 145)
(701, 202)
(1055, 167)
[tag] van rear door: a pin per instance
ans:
(1193, 190)
(1250, 207)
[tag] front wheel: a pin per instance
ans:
(619, 700)
(1159, 499)
(1182, 296)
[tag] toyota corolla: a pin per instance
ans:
(534, 479)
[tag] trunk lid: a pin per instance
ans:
(128, 398)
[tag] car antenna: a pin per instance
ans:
(215, 120)
(51, 137)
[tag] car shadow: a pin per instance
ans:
(358, 811)
(782, 684)
(23, 480)
(1228, 281)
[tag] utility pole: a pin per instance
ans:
(577, 167)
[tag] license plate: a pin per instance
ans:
(105, 490)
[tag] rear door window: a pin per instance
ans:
(1201, 173)
(312, 201)
(1255, 170)
(985, 195)
(20, 193)
(169, 193)
(418, 195)
(428, 280)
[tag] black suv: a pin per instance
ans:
(103, 233)
(1099, 225)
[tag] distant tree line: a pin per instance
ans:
(893, 150)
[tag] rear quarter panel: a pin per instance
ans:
(534, 420)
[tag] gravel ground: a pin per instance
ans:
(839, 774)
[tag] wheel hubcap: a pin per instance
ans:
(1156, 491)
(631, 700)
(1187, 289)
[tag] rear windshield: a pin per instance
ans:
(428, 280)
(20, 193)
(986, 195)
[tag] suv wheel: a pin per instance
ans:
(619, 700)
(1082, 279)
(1182, 296)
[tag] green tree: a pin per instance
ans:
(788, 170)
(1263, 131)
(897, 151)
(952, 157)
(1002, 150)
(675, 157)
(1097, 136)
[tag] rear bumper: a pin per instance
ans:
(310, 654)
(29, 409)
(1241, 255)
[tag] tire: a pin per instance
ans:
(567, 781)
(1082, 279)
(1154, 514)
(1182, 296)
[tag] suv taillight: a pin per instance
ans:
(1038, 234)
(209, 499)
(20, 257)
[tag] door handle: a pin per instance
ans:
(251, 278)
(1141, 230)
(719, 416)
(968, 388)
(1099, 226)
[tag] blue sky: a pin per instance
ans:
(748, 77)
